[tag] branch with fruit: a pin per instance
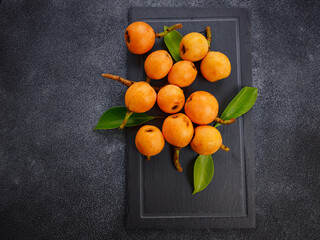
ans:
(201, 108)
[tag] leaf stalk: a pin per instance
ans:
(225, 122)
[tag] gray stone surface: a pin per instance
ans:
(59, 180)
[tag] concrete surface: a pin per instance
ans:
(59, 180)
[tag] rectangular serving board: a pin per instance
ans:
(158, 195)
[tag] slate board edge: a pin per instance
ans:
(134, 219)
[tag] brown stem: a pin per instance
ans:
(126, 118)
(169, 29)
(224, 148)
(126, 82)
(209, 36)
(148, 158)
(176, 159)
(225, 122)
(148, 80)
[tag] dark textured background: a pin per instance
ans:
(60, 180)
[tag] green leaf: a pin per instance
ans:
(202, 172)
(241, 104)
(113, 118)
(172, 41)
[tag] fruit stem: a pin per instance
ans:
(224, 148)
(209, 36)
(225, 122)
(148, 158)
(126, 82)
(148, 80)
(169, 29)
(125, 120)
(176, 159)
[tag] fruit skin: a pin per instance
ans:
(139, 37)
(170, 99)
(182, 73)
(140, 97)
(178, 130)
(201, 107)
(149, 140)
(193, 47)
(158, 64)
(215, 66)
(206, 141)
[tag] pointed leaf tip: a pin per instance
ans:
(114, 116)
(202, 172)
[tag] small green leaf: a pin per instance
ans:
(202, 172)
(172, 41)
(113, 118)
(241, 104)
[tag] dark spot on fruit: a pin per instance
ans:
(175, 116)
(194, 67)
(167, 54)
(127, 37)
(174, 107)
(189, 99)
(149, 130)
(186, 121)
(183, 49)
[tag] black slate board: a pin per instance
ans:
(159, 196)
